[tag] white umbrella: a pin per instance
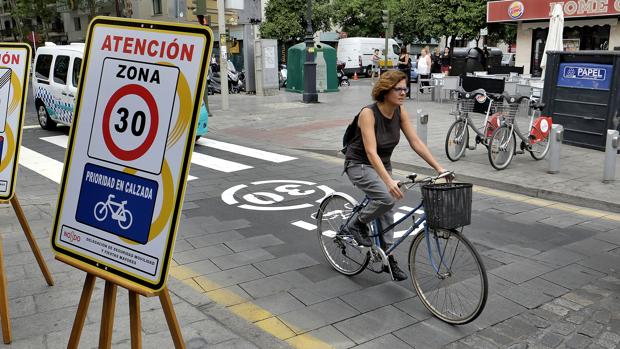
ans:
(554, 38)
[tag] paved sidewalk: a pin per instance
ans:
(284, 120)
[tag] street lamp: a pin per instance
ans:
(310, 95)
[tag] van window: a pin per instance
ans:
(61, 67)
(77, 64)
(42, 70)
(396, 49)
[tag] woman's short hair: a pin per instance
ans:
(386, 83)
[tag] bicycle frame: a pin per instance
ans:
(469, 122)
(417, 223)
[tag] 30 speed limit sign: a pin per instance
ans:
(130, 147)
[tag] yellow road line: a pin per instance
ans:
(246, 310)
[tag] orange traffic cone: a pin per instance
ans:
(355, 76)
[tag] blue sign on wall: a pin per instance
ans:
(586, 75)
(117, 202)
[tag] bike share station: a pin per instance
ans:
(127, 163)
(14, 68)
(582, 95)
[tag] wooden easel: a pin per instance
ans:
(4, 297)
(109, 305)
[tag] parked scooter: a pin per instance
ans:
(236, 80)
(343, 79)
(282, 74)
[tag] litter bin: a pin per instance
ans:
(581, 93)
(466, 60)
(493, 58)
(326, 76)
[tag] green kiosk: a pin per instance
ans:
(325, 58)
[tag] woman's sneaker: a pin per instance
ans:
(397, 273)
(359, 231)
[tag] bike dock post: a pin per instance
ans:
(611, 153)
(556, 136)
(422, 125)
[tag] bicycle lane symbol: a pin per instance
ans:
(117, 202)
(276, 195)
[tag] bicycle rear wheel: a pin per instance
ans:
(456, 140)
(340, 250)
(540, 149)
(454, 288)
(501, 148)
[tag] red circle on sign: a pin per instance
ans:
(140, 91)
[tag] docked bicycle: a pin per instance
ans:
(503, 141)
(469, 103)
(446, 271)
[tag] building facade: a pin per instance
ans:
(588, 25)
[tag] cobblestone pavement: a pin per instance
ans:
(243, 279)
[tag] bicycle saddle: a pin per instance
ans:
(539, 105)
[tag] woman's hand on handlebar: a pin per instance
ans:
(394, 189)
(449, 176)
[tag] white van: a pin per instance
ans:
(357, 53)
(55, 81)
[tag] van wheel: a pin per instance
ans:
(44, 118)
(368, 71)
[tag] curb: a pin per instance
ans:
(509, 187)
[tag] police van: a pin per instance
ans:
(55, 79)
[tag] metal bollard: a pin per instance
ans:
(556, 136)
(611, 153)
(422, 126)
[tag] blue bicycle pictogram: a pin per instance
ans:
(122, 216)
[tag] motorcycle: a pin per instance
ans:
(343, 79)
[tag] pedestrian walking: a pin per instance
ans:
(375, 65)
(436, 61)
(424, 69)
(446, 61)
(404, 62)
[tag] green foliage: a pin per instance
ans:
(359, 17)
(24, 11)
(462, 18)
(285, 20)
(505, 32)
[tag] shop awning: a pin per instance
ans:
(574, 23)
(527, 10)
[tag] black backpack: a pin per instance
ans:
(349, 134)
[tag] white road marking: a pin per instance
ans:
(329, 233)
(241, 150)
(304, 225)
(63, 141)
(217, 164)
(30, 126)
(41, 164)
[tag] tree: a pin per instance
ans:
(24, 11)
(285, 20)
(505, 32)
(451, 18)
(359, 17)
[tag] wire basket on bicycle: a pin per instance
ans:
(447, 205)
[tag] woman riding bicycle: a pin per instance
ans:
(367, 160)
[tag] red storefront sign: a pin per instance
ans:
(523, 10)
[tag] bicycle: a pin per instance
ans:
(502, 144)
(435, 260)
(457, 139)
(122, 216)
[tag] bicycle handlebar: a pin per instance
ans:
(430, 179)
(495, 96)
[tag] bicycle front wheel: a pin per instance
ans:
(340, 250)
(456, 140)
(448, 275)
(501, 148)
